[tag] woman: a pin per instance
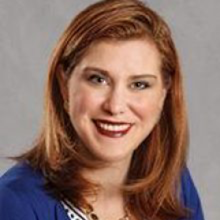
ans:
(114, 139)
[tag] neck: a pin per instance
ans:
(110, 180)
(109, 194)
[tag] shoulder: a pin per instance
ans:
(22, 195)
(21, 177)
(22, 180)
(190, 196)
(16, 187)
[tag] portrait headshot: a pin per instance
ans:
(109, 110)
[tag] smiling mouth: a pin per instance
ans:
(112, 129)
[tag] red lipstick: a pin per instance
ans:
(107, 128)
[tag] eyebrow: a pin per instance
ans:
(106, 73)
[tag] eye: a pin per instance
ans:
(140, 85)
(97, 79)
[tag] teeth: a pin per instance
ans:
(111, 127)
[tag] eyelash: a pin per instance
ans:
(95, 79)
(139, 85)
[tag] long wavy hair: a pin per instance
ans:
(153, 181)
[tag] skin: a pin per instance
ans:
(115, 81)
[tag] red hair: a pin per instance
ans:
(154, 176)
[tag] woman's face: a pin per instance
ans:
(116, 95)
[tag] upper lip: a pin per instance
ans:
(112, 122)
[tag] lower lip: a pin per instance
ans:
(112, 134)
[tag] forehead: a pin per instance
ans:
(134, 56)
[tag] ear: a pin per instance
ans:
(63, 83)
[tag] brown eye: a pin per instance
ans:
(97, 79)
(140, 85)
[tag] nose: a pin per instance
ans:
(115, 102)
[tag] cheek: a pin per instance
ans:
(149, 107)
(83, 102)
(78, 105)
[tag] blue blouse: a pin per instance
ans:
(23, 197)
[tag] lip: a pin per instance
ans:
(112, 122)
(112, 134)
